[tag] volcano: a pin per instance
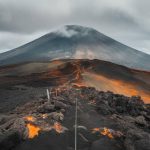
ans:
(77, 42)
(74, 88)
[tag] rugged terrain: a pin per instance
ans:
(24, 82)
(98, 88)
(104, 121)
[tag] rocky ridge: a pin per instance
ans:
(116, 121)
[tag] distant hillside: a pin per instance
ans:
(93, 73)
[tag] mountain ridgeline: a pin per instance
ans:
(77, 42)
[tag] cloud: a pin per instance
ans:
(63, 31)
(10, 41)
(124, 20)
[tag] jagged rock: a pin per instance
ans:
(20, 126)
(129, 115)
(56, 116)
(60, 104)
(45, 108)
(4, 119)
(140, 120)
(133, 138)
(6, 126)
(9, 140)
(104, 109)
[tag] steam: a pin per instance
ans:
(64, 32)
(84, 54)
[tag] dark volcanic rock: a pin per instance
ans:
(104, 109)
(106, 144)
(46, 108)
(126, 118)
(9, 140)
(135, 138)
(20, 126)
(140, 120)
(143, 144)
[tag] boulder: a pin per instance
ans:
(60, 105)
(140, 120)
(56, 116)
(46, 108)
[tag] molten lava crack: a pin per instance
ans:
(107, 132)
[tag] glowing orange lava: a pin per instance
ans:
(32, 130)
(117, 86)
(104, 131)
(107, 132)
(30, 118)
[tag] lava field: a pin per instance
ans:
(80, 117)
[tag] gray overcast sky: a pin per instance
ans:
(127, 21)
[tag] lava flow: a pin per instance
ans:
(107, 132)
(30, 118)
(33, 130)
(34, 127)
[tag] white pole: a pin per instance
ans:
(48, 97)
(76, 124)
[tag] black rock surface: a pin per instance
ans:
(125, 118)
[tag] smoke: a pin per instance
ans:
(63, 31)
(84, 54)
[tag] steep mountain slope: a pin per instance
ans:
(80, 43)
(92, 73)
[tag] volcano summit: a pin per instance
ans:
(77, 42)
(74, 88)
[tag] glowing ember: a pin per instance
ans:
(107, 132)
(95, 130)
(58, 127)
(33, 130)
(30, 118)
